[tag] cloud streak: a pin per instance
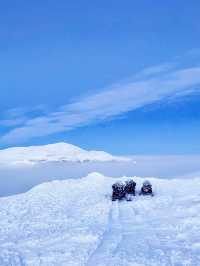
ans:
(150, 86)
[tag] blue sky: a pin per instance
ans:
(122, 76)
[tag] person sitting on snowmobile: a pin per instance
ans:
(146, 189)
(118, 191)
(129, 189)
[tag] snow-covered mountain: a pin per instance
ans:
(74, 223)
(52, 153)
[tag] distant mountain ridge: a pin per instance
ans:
(58, 152)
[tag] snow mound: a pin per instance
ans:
(59, 152)
(74, 223)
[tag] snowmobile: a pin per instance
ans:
(146, 189)
(129, 189)
(118, 191)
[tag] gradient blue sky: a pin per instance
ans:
(121, 76)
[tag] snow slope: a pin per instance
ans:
(53, 153)
(74, 223)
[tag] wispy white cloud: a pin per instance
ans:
(12, 122)
(155, 84)
(155, 70)
(18, 116)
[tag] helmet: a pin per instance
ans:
(118, 186)
(147, 183)
(130, 183)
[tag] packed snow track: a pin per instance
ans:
(74, 223)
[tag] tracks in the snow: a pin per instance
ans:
(110, 239)
(131, 237)
(122, 222)
(128, 236)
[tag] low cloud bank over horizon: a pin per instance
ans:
(20, 178)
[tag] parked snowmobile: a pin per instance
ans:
(146, 189)
(130, 189)
(118, 191)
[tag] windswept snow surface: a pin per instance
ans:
(74, 223)
(59, 152)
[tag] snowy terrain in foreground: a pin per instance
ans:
(58, 152)
(74, 223)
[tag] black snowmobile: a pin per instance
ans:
(118, 191)
(146, 189)
(129, 189)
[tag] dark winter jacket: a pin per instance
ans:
(118, 191)
(130, 188)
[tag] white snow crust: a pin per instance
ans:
(59, 152)
(75, 223)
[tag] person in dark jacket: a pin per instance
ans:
(118, 191)
(130, 189)
(146, 189)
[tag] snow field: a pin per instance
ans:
(74, 223)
